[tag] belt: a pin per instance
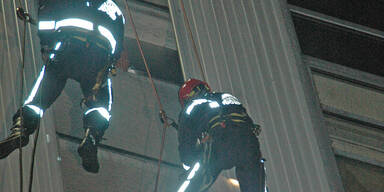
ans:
(222, 120)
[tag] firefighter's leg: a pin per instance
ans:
(251, 177)
(202, 174)
(95, 121)
(46, 89)
(201, 181)
(250, 169)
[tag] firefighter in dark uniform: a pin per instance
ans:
(80, 40)
(215, 133)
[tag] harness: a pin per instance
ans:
(109, 67)
(223, 120)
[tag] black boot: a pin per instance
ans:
(88, 151)
(19, 134)
(94, 125)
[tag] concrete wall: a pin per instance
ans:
(360, 176)
(351, 101)
(135, 130)
(355, 99)
(152, 23)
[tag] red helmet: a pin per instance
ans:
(187, 89)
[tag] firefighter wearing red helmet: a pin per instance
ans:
(215, 133)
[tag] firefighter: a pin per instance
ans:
(80, 40)
(215, 133)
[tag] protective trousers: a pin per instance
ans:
(232, 146)
(83, 62)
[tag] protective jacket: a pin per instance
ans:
(215, 133)
(99, 21)
(205, 115)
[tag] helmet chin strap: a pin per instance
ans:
(199, 93)
(201, 90)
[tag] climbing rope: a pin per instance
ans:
(21, 14)
(193, 40)
(18, 11)
(31, 170)
(162, 112)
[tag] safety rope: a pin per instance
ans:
(193, 40)
(162, 112)
(31, 170)
(33, 155)
(21, 14)
(21, 101)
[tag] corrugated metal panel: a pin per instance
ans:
(248, 47)
(47, 175)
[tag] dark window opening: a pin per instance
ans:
(339, 45)
(369, 13)
(163, 62)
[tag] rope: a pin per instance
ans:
(21, 101)
(193, 40)
(26, 18)
(33, 156)
(31, 170)
(162, 112)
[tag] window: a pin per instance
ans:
(163, 62)
(339, 45)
